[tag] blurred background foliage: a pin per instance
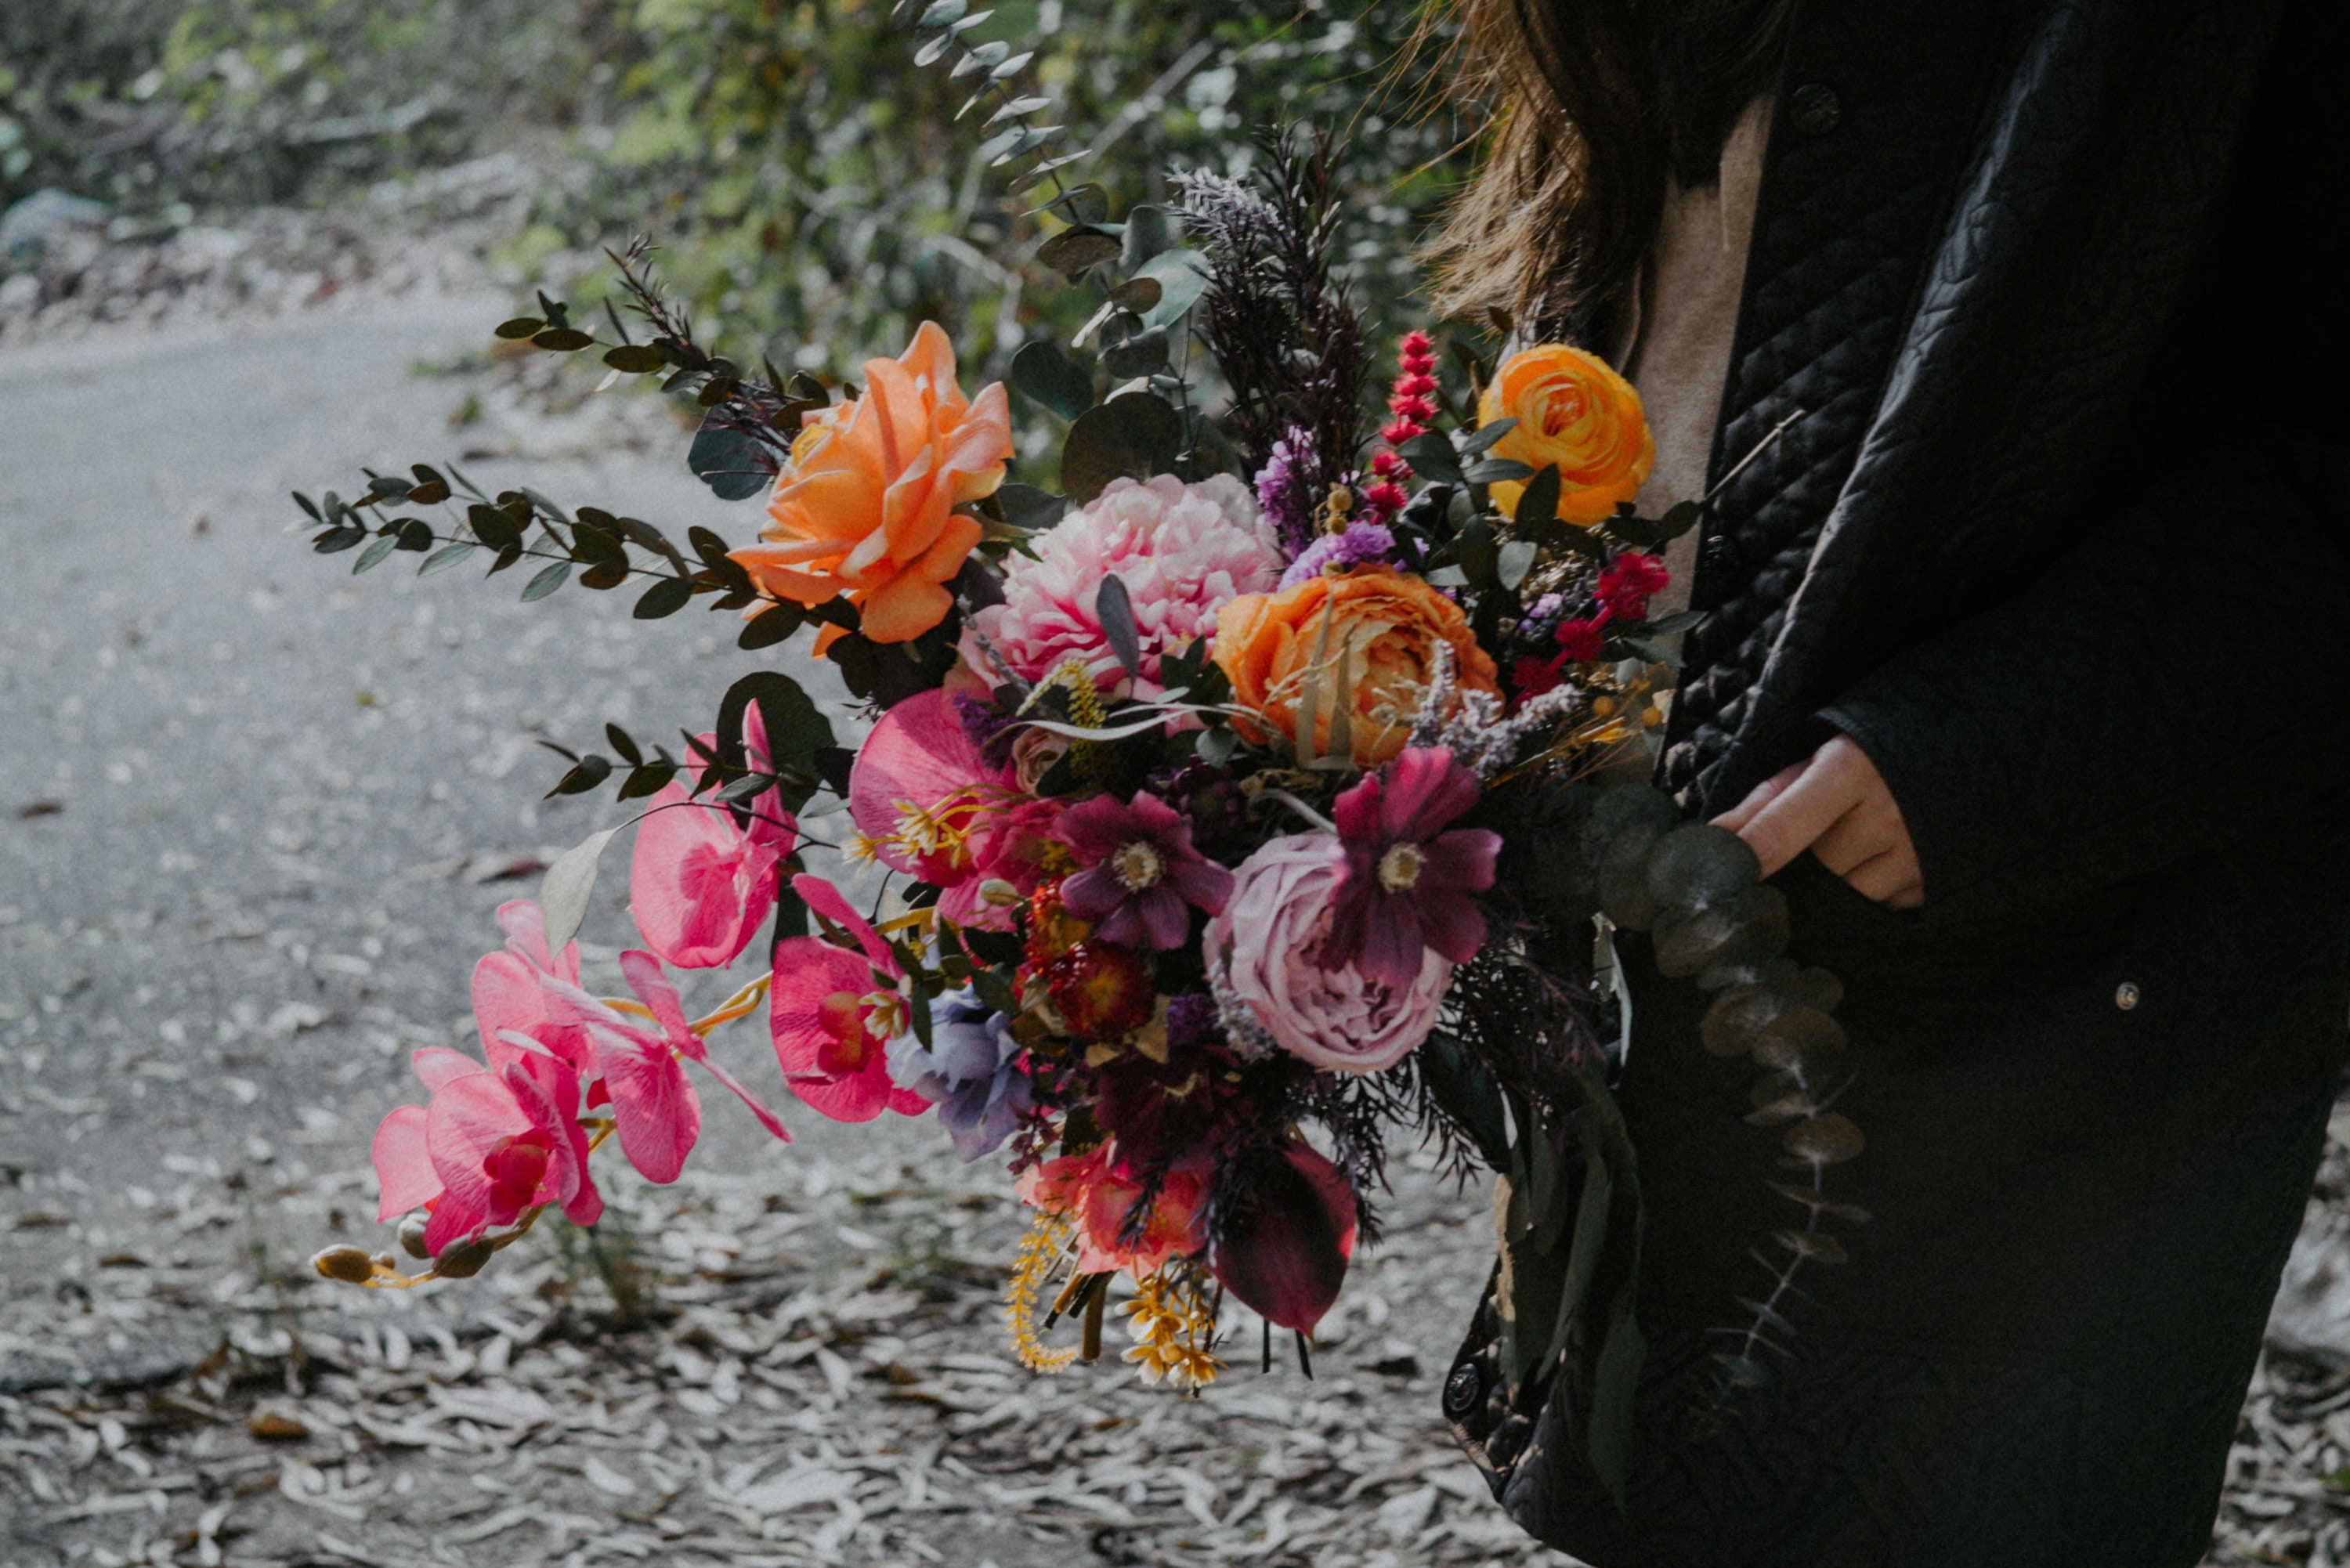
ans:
(813, 190)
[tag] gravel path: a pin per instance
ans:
(254, 818)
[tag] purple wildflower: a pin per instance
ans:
(1361, 542)
(1194, 1022)
(1284, 491)
(1140, 871)
(1406, 884)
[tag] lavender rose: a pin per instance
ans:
(1263, 952)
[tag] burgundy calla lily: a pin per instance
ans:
(1284, 1242)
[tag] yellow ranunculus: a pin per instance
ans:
(1574, 411)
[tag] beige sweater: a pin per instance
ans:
(1677, 350)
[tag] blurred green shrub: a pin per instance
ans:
(810, 184)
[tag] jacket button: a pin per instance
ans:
(1813, 110)
(1462, 1391)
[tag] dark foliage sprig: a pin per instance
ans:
(1282, 329)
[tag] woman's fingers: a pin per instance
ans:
(1834, 805)
(1736, 818)
(1794, 819)
(1888, 878)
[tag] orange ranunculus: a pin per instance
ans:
(1573, 410)
(865, 506)
(1384, 629)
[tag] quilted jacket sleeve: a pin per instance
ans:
(2178, 682)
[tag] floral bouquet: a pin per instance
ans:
(1227, 810)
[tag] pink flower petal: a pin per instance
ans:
(402, 1166)
(698, 885)
(658, 1114)
(917, 756)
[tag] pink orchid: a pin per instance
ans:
(1407, 886)
(699, 884)
(507, 997)
(491, 1146)
(932, 806)
(834, 1013)
(659, 1114)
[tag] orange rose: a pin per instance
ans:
(1384, 628)
(1573, 410)
(865, 506)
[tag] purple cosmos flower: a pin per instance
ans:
(971, 1070)
(1140, 870)
(1361, 542)
(1406, 883)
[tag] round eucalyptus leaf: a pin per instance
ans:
(1702, 867)
(1799, 1041)
(1816, 988)
(1817, 1246)
(1783, 1108)
(1745, 929)
(1819, 1203)
(1738, 1017)
(1624, 895)
(1134, 434)
(1628, 807)
(1824, 1140)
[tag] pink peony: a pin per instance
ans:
(1264, 950)
(1183, 551)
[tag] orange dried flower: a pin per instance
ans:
(1573, 411)
(864, 507)
(1384, 628)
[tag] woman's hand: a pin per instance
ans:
(1834, 805)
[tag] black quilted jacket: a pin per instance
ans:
(2063, 547)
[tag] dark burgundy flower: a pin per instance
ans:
(1629, 584)
(1283, 1233)
(1140, 870)
(1406, 884)
(1160, 1108)
(1531, 677)
(1581, 641)
(1102, 991)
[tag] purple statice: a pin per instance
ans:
(971, 1069)
(1285, 491)
(1361, 542)
(1208, 795)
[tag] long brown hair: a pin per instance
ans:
(1594, 102)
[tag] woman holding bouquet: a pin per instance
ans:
(2024, 672)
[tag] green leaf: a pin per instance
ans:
(1516, 559)
(1030, 506)
(385, 543)
(1077, 250)
(665, 597)
(520, 326)
(620, 740)
(548, 580)
(1182, 278)
(636, 358)
(1432, 457)
(1496, 471)
(336, 539)
(564, 339)
(1481, 440)
(448, 556)
(796, 728)
(1144, 354)
(1136, 434)
(1678, 621)
(941, 14)
(646, 779)
(306, 505)
(770, 626)
(586, 774)
(1114, 608)
(1041, 372)
(1148, 231)
(722, 454)
(1538, 502)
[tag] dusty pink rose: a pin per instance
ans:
(1183, 552)
(1265, 948)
